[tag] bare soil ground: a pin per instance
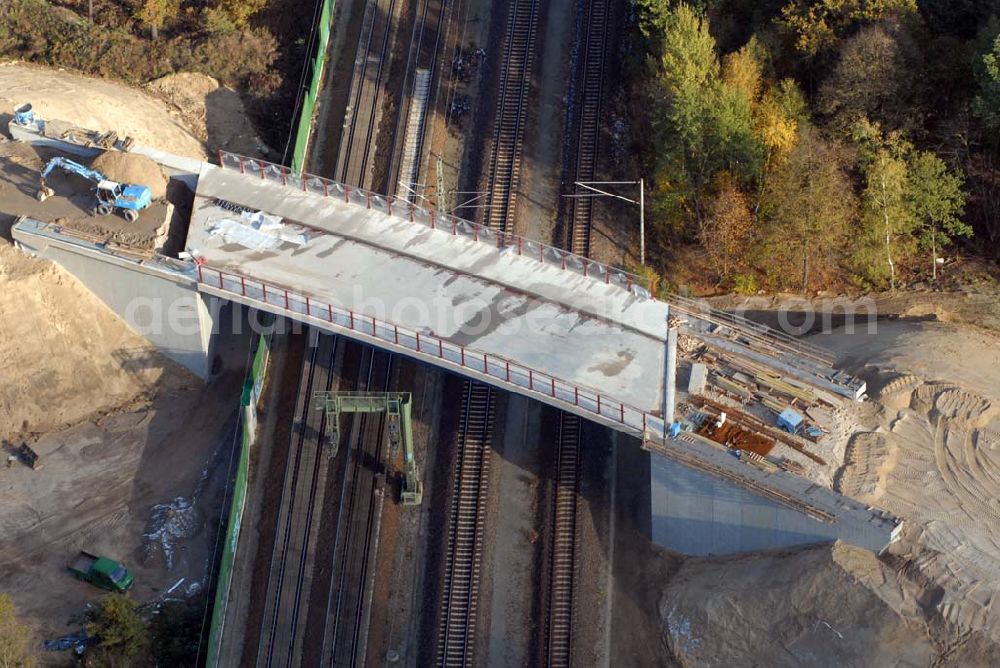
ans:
(213, 113)
(816, 606)
(143, 484)
(64, 355)
(135, 451)
(72, 206)
(96, 104)
(133, 448)
(931, 458)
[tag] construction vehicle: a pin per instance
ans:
(396, 405)
(111, 195)
(101, 572)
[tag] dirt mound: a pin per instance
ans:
(865, 463)
(214, 112)
(67, 348)
(809, 607)
(133, 168)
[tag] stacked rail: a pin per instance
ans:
(421, 73)
(283, 624)
(511, 114)
(457, 622)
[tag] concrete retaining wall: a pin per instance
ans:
(164, 307)
(697, 514)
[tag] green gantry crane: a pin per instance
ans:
(394, 404)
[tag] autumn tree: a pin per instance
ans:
(120, 632)
(233, 13)
(728, 224)
(155, 13)
(15, 638)
(777, 117)
(807, 208)
(817, 26)
(877, 76)
(937, 202)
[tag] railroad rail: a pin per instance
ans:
(288, 590)
(562, 565)
(357, 147)
(457, 621)
(589, 103)
(348, 609)
(511, 114)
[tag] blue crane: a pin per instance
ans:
(111, 195)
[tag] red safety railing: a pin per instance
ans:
(406, 210)
(493, 366)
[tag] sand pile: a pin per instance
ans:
(63, 355)
(132, 168)
(813, 606)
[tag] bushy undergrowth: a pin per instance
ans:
(34, 31)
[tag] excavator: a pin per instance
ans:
(111, 195)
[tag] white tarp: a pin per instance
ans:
(256, 230)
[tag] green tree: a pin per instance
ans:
(887, 220)
(15, 638)
(807, 207)
(703, 124)
(120, 631)
(986, 104)
(937, 201)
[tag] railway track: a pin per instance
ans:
(511, 114)
(588, 123)
(562, 557)
(457, 622)
(348, 605)
(562, 564)
(282, 629)
(357, 146)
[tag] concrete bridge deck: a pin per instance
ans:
(561, 328)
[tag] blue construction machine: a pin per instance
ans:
(111, 195)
